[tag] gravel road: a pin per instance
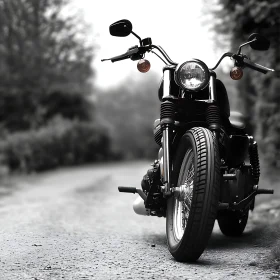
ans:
(73, 224)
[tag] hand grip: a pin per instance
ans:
(125, 55)
(119, 58)
(256, 66)
(127, 189)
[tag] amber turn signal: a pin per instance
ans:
(236, 73)
(143, 65)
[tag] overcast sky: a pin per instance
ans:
(174, 25)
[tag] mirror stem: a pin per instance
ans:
(140, 40)
(247, 43)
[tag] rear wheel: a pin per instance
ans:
(233, 223)
(192, 210)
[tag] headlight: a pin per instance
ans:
(192, 75)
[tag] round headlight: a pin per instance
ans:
(192, 75)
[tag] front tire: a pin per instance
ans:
(192, 210)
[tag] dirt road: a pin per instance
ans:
(73, 224)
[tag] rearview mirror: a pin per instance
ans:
(121, 28)
(260, 44)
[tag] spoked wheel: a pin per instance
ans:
(233, 223)
(192, 209)
(184, 195)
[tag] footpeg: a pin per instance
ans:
(133, 190)
(127, 189)
(264, 191)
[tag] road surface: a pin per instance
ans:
(73, 224)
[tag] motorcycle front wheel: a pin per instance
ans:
(192, 209)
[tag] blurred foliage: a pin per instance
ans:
(43, 47)
(234, 22)
(71, 105)
(45, 65)
(129, 111)
(46, 115)
(29, 110)
(60, 143)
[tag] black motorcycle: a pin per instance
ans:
(208, 166)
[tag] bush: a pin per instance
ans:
(20, 110)
(129, 112)
(69, 105)
(60, 143)
(25, 110)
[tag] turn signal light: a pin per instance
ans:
(143, 65)
(236, 73)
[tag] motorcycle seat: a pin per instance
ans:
(237, 120)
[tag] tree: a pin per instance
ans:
(43, 49)
(259, 93)
(129, 112)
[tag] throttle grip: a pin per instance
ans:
(255, 66)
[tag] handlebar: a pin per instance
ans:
(139, 51)
(243, 61)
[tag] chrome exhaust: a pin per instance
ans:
(139, 207)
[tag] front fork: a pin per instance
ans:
(167, 120)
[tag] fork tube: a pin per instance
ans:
(166, 158)
(166, 84)
(167, 112)
(213, 112)
(166, 136)
(212, 87)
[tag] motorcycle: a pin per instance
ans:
(208, 166)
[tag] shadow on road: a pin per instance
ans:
(259, 236)
(158, 239)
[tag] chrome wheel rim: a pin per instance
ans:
(184, 195)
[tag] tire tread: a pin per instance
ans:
(205, 197)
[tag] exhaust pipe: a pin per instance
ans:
(139, 207)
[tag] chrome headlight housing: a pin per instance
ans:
(192, 75)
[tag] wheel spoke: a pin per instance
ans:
(184, 200)
(187, 206)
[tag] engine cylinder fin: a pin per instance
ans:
(167, 110)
